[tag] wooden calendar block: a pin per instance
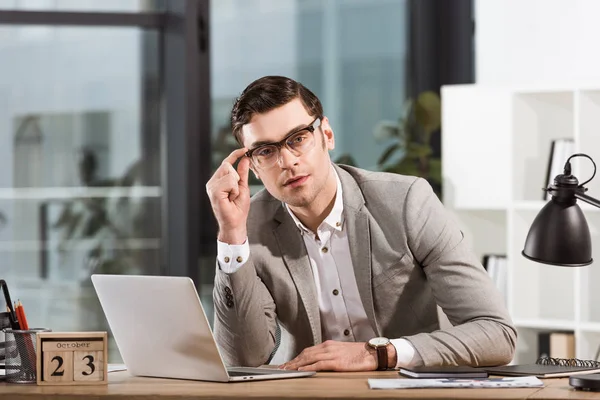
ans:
(58, 366)
(88, 366)
(72, 358)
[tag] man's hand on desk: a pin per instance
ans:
(335, 356)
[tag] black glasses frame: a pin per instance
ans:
(282, 143)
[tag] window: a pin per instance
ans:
(77, 191)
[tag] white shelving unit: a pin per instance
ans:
(496, 145)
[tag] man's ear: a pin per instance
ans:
(329, 137)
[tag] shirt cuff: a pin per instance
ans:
(406, 355)
(231, 257)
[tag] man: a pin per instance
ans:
(351, 263)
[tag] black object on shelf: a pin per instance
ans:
(559, 234)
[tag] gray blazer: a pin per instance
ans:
(408, 255)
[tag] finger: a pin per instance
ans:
(243, 169)
(224, 186)
(307, 353)
(231, 171)
(325, 365)
(306, 359)
(233, 157)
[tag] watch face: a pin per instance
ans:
(379, 341)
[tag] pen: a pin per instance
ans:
(12, 316)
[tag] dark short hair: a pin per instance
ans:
(266, 94)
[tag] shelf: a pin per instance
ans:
(85, 192)
(538, 119)
(593, 327)
(508, 134)
(549, 324)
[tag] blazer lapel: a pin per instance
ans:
(359, 240)
(296, 259)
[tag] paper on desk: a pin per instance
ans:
(116, 367)
(521, 381)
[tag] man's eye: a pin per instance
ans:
(297, 140)
(265, 152)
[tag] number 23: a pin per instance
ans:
(60, 361)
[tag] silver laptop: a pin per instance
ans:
(161, 330)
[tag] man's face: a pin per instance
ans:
(295, 180)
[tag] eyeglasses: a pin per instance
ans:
(297, 142)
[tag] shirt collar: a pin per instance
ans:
(335, 219)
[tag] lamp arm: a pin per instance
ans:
(587, 199)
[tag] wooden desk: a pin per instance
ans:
(328, 385)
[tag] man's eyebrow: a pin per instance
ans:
(264, 142)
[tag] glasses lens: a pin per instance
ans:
(301, 142)
(265, 156)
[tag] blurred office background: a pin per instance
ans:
(114, 113)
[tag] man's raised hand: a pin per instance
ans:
(229, 196)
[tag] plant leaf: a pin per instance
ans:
(386, 129)
(388, 153)
(428, 111)
(418, 150)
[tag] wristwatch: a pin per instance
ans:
(380, 344)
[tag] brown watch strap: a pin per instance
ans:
(382, 358)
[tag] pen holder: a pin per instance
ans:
(20, 363)
(4, 345)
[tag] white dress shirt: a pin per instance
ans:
(343, 316)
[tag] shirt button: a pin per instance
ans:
(324, 249)
(239, 259)
(346, 332)
(338, 224)
(227, 290)
(229, 303)
(226, 259)
(336, 292)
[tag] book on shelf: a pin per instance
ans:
(560, 151)
(496, 267)
(556, 344)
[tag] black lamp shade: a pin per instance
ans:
(559, 236)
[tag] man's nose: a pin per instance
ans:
(286, 158)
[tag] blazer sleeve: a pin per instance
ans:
(245, 324)
(482, 333)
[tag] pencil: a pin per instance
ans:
(28, 342)
(24, 324)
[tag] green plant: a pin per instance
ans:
(410, 152)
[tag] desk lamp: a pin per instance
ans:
(560, 235)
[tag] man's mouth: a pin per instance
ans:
(296, 181)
